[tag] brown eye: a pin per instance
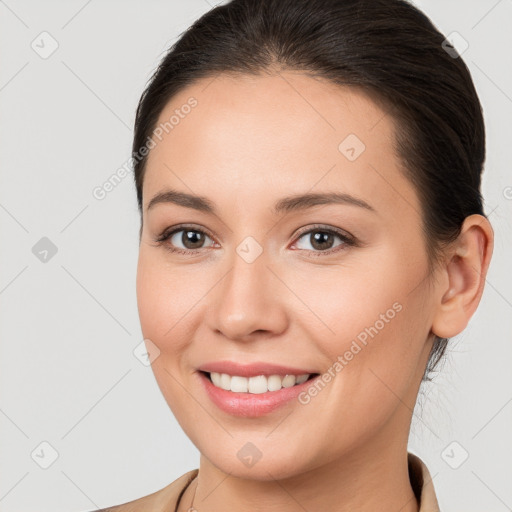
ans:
(185, 240)
(323, 240)
(190, 239)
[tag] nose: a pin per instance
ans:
(249, 301)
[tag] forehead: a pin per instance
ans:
(253, 137)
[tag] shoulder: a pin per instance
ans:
(163, 500)
(421, 483)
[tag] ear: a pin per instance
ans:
(464, 277)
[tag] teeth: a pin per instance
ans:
(302, 378)
(257, 384)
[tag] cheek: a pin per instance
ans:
(151, 298)
(164, 296)
(163, 300)
(372, 353)
(345, 302)
(372, 317)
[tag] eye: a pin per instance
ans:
(188, 240)
(183, 239)
(322, 240)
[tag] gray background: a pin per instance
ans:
(68, 326)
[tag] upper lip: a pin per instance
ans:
(252, 369)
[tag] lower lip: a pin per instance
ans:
(250, 405)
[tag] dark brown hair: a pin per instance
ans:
(387, 48)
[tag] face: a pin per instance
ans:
(333, 287)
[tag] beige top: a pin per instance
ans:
(166, 499)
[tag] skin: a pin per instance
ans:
(249, 142)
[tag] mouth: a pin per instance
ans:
(257, 388)
(257, 384)
(262, 397)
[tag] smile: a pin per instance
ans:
(257, 384)
(264, 394)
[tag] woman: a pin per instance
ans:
(312, 234)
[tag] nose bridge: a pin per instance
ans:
(245, 300)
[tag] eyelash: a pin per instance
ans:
(347, 240)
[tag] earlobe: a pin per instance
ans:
(466, 270)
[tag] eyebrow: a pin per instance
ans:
(284, 205)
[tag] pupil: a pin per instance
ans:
(194, 238)
(320, 238)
